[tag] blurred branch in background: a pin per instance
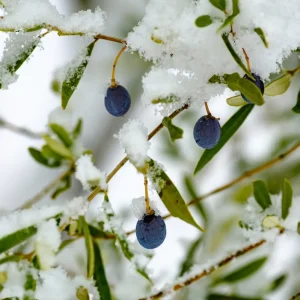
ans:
(19, 130)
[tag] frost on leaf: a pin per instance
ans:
(155, 173)
(133, 137)
(88, 174)
(18, 48)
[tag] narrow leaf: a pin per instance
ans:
(39, 157)
(62, 134)
(287, 197)
(298, 228)
(9, 259)
(30, 283)
(277, 283)
(89, 247)
(65, 185)
(174, 131)
(228, 130)
(235, 55)
(236, 101)
(82, 294)
(230, 19)
(270, 221)
(169, 195)
(262, 36)
(77, 129)
(243, 272)
(261, 194)
(18, 237)
(203, 21)
(58, 148)
(220, 4)
(278, 86)
(296, 108)
(99, 275)
(50, 154)
(74, 75)
(250, 91)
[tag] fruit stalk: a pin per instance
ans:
(207, 109)
(113, 80)
(148, 208)
(247, 60)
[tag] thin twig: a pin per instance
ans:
(148, 208)
(207, 109)
(113, 79)
(247, 60)
(125, 159)
(206, 272)
(293, 72)
(19, 130)
(47, 189)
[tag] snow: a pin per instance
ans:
(133, 137)
(48, 240)
(31, 13)
(138, 207)
(154, 173)
(88, 174)
(201, 53)
(61, 117)
(36, 215)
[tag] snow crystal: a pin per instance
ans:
(36, 215)
(139, 208)
(55, 284)
(26, 15)
(154, 173)
(47, 242)
(88, 174)
(133, 137)
(201, 53)
(61, 117)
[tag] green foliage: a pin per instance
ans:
(243, 272)
(278, 86)
(9, 259)
(203, 21)
(298, 227)
(235, 12)
(277, 283)
(77, 129)
(261, 194)
(82, 293)
(99, 275)
(89, 247)
(41, 159)
(228, 130)
(262, 36)
(236, 101)
(30, 283)
(166, 100)
(16, 238)
(287, 198)
(235, 55)
(220, 4)
(170, 195)
(62, 134)
(70, 83)
(174, 131)
(58, 148)
(296, 108)
(225, 297)
(65, 185)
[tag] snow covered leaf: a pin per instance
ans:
(261, 34)
(174, 131)
(169, 99)
(228, 130)
(261, 194)
(236, 101)
(89, 247)
(13, 239)
(203, 21)
(235, 55)
(99, 275)
(169, 195)
(74, 75)
(243, 272)
(77, 129)
(296, 108)
(17, 50)
(62, 134)
(82, 293)
(40, 158)
(270, 221)
(220, 4)
(287, 198)
(235, 12)
(58, 148)
(65, 184)
(278, 86)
